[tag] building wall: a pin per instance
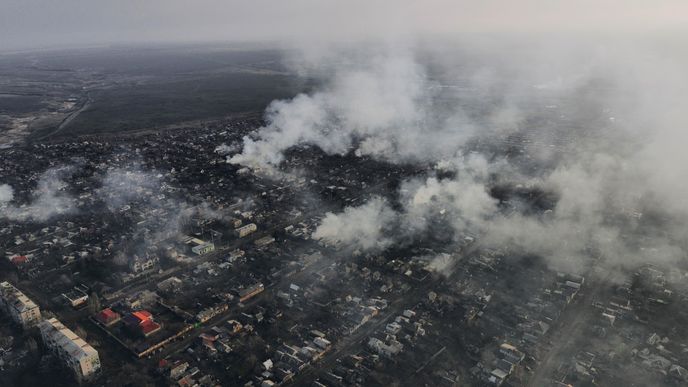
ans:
(20, 308)
(72, 350)
(141, 265)
(246, 230)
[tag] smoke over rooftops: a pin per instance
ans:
(601, 123)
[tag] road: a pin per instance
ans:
(352, 344)
(570, 327)
(68, 119)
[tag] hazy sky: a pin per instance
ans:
(46, 23)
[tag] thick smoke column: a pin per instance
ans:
(358, 227)
(384, 108)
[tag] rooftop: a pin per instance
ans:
(63, 337)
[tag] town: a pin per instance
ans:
(146, 259)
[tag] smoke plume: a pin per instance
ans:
(358, 227)
(49, 199)
(384, 108)
(597, 128)
(6, 193)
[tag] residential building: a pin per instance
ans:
(72, 350)
(18, 306)
(76, 297)
(246, 230)
(264, 241)
(140, 264)
(107, 317)
(247, 293)
(198, 246)
(388, 350)
(142, 322)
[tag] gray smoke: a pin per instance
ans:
(136, 185)
(358, 228)
(464, 201)
(49, 199)
(384, 108)
(122, 186)
(604, 127)
(224, 149)
(6, 194)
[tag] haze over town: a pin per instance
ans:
(336, 193)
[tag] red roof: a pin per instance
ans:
(185, 381)
(149, 326)
(205, 336)
(19, 259)
(107, 315)
(143, 316)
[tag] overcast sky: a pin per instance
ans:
(46, 23)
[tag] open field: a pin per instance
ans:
(52, 94)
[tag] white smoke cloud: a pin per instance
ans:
(358, 227)
(224, 149)
(604, 129)
(121, 186)
(463, 202)
(383, 108)
(441, 263)
(49, 199)
(601, 200)
(136, 184)
(6, 193)
(596, 214)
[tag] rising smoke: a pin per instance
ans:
(360, 228)
(47, 200)
(6, 194)
(136, 185)
(122, 186)
(385, 108)
(599, 129)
